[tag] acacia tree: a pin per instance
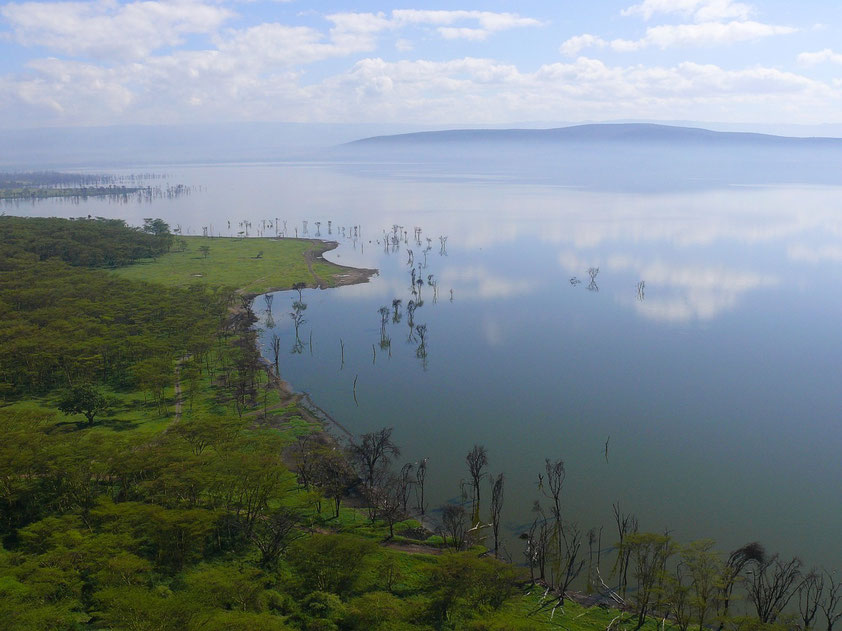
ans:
(333, 475)
(704, 568)
(649, 552)
(453, 528)
(272, 533)
(84, 399)
(371, 455)
(736, 564)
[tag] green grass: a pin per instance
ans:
(233, 262)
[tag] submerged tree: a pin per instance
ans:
(420, 477)
(496, 511)
(477, 460)
(771, 585)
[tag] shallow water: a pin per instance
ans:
(717, 380)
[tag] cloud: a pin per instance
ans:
(107, 30)
(715, 22)
(699, 10)
(820, 57)
(669, 35)
(254, 74)
(812, 254)
(575, 44)
(487, 22)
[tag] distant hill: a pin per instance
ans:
(636, 133)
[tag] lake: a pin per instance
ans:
(703, 346)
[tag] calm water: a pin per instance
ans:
(718, 380)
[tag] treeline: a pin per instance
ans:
(82, 242)
(63, 324)
(54, 178)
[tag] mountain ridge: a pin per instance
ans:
(593, 133)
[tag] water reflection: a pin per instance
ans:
(711, 331)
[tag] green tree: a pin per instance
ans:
(329, 563)
(649, 552)
(84, 399)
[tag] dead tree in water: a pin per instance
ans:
(809, 596)
(405, 484)
(830, 605)
(771, 586)
(276, 351)
(477, 460)
(626, 525)
(496, 510)
(420, 477)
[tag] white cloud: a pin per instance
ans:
(472, 34)
(669, 35)
(707, 34)
(715, 22)
(813, 254)
(699, 10)
(106, 29)
(575, 44)
(820, 57)
(253, 75)
(486, 20)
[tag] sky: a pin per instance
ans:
(106, 62)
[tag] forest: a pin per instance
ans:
(154, 477)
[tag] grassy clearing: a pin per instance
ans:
(253, 265)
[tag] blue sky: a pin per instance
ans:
(436, 63)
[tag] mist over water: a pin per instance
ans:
(706, 346)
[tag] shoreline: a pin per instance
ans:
(344, 277)
(307, 408)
